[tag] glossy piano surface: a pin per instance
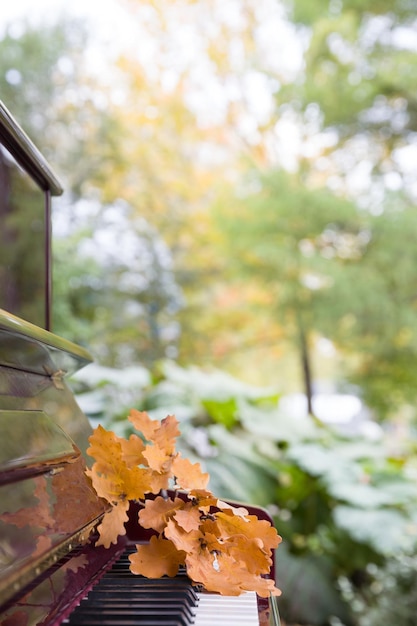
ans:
(47, 504)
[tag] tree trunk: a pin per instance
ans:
(306, 367)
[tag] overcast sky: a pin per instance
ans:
(108, 16)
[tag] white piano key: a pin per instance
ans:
(227, 610)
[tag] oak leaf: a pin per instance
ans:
(143, 423)
(188, 518)
(251, 527)
(203, 499)
(106, 449)
(112, 478)
(156, 513)
(132, 451)
(157, 558)
(188, 475)
(165, 436)
(157, 458)
(112, 524)
(189, 542)
(158, 481)
(235, 510)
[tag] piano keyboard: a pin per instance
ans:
(121, 598)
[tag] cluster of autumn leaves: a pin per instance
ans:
(222, 547)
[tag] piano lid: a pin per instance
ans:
(29, 348)
(14, 138)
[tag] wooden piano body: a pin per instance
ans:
(48, 508)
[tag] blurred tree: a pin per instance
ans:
(46, 83)
(114, 288)
(277, 233)
(378, 327)
(118, 289)
(358, 90)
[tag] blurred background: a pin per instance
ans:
(236, 244)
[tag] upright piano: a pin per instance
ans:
(51, 572)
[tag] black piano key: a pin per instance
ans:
(123, 621)
(121, 598)
(114, 604)
(104, 615)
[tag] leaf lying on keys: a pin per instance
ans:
(222, 547)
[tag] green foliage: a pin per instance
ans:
(340, 503)
(115, 287)
(389, 597)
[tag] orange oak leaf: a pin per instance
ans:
(251, 527)
(157, 558)
(132, 450)
(221, 574)
(112, 478)
(112, 525)
(188, 518)
(143, 423)
(166, 435)
(189, 541)
(235, 510)
(156, 513)
(106, 449)
(157, 458)
(212, 571)
(249, 552)
(122, 483)
(203, 499)
(158, 481)
(189, 475)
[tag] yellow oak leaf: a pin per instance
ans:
(157, 558)
(156, 513)
(188, 475)
(143, 423)
(112, 525)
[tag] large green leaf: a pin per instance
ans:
(275, 425)
(309, 593)
(222, 411)
(387, 531)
